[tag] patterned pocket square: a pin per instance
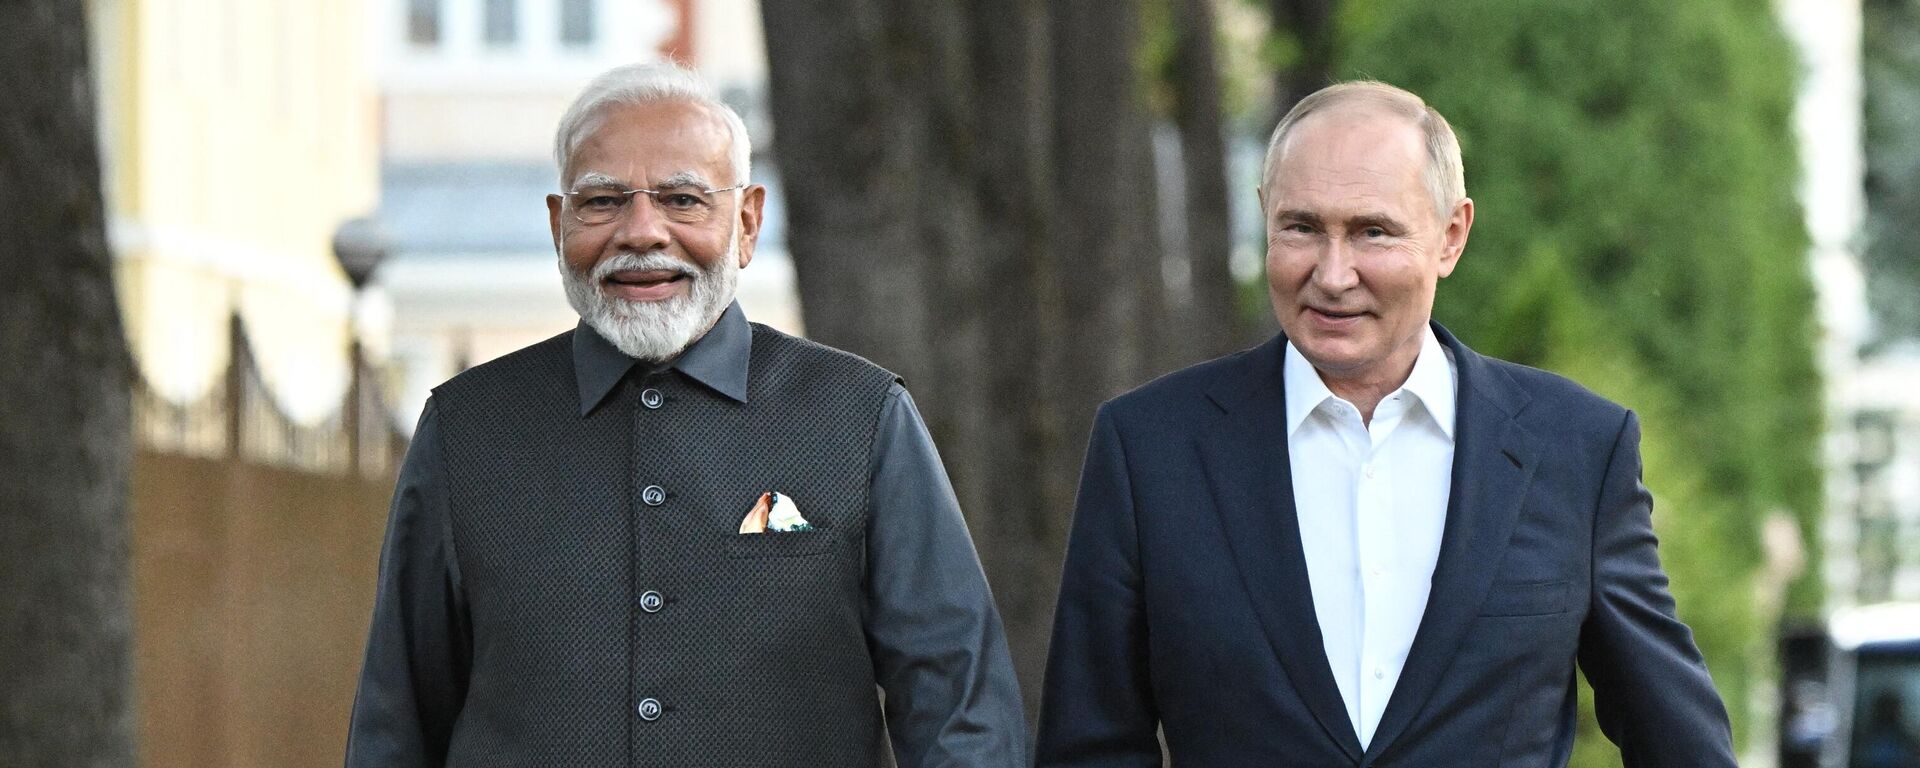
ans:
(775, 512)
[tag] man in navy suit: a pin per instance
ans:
(1361, 543)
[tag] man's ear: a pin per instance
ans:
(554, 204)
(753, 201)
(1459, 224)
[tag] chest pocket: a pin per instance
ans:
(781, 544)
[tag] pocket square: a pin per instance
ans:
(774, 512)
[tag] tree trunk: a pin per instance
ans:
(65, 668)
(1216, 325)
(1310, 22)
(1106, 235)
(950, 220)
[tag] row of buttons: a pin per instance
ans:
(651, 601)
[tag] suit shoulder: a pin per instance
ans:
(1562, 402)
(1181, 389)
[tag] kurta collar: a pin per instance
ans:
(718, 360)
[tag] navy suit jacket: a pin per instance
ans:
(1185, 605)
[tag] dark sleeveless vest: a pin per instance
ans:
(618, 617)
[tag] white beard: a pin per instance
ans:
(654, 330)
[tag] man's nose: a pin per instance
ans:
(1334, 273)
(640, 227)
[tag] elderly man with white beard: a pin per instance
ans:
(670, 536)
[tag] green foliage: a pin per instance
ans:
(1633, 168)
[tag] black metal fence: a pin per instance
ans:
(238, 418)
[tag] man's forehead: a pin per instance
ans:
(629, 140)
(1372, 142)
(1360, 129)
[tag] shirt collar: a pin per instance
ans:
(1432, 381)
(718, 359)
(1305, 391)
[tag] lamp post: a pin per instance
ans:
(359, 244)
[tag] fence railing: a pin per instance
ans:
(237, 418)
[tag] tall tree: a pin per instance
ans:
(64, 449)
(1213, 320)
(970, 191)
(1634, 167)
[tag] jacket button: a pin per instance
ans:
(649, 709)
(654, 495)
(651, 601)
(651, 398)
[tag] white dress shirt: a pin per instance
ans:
(1372, 502)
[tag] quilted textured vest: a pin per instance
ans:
(618, 617)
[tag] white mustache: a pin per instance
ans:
(652, 261)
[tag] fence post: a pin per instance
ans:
(351, 419)
(236, 395)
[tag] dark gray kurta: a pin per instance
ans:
(563, 583)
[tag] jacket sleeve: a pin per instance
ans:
(938, 648)
(1097, 706)
(1652, 694)
(415, 674)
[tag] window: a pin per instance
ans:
(423, 22)
(576, 23)
(502, 22)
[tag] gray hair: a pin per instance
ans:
(1444, 175)
(647, 83)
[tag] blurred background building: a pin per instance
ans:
(237, 137)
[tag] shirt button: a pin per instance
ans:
(651, 398)
(649, 709)
(654, 495)
(1378, 674)
(1377, 572)
(1368, 469)
(651, 601)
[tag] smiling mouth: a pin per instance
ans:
(645, 278)
(1335, 314)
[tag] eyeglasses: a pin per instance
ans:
(685, 205)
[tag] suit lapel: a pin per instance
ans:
(1492, 466)
(1245, 456)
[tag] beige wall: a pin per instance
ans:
(238, 136)
(252, 589)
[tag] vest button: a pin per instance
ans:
(649, 709)
(653, 495)
(651, 398)
(652, 602)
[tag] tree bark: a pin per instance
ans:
(1310, 22)
(65, 678)
(1216, 324)
(1107, 237)
(963, 193)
